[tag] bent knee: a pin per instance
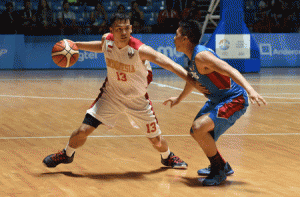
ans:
(84, 131)
(200, 129)
(156, 141)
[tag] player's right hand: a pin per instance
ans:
(173, 100)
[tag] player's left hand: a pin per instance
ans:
(256, 98)
(173, 100)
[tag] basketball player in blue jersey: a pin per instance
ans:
(124, 91)
(227, 92)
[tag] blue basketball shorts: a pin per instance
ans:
(225, 113)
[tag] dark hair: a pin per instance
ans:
(118, 16)
(9, 4)
(192, 29)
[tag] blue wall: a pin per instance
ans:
(25, 52)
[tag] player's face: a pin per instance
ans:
(178, 39)
(121, 31)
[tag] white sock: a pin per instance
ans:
(69, 151)
(166, 154)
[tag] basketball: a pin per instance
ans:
(65, 53)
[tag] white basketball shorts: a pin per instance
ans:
(108, 108)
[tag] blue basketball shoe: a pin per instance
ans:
(215, 178)
(206, 171)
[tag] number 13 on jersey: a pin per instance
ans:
(121, 76)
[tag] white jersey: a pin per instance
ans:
(125, 88)
(127, 75)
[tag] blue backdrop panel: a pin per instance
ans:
(19, 52)
(38, 51)
(275, 50)
(232, 22)
(279, 50)
(163, 43)
(12, 51)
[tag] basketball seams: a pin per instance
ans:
(65, 53)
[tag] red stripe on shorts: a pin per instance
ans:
(150, 103)
(228, 109)
(100, 94)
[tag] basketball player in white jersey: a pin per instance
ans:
(124, 91)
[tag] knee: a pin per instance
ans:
(156, 141)
(198, 129)
(84, 131)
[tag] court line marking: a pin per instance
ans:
(133, 136)
(89, 99)
(158, 84)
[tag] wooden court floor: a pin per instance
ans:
(40, 109)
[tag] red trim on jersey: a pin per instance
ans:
(135, 43)
(100, 94)
(149, 77)
(110, 37)
(221, 81)
(228, 109)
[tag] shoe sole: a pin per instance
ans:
(216, 184)
(180, 167)
(227, 174)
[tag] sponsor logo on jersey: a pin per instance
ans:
(119, 66)
(130, 52)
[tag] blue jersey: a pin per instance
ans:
(220, 86)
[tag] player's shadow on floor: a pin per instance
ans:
(197, 182)
(106, 176)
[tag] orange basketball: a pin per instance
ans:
(65, 53)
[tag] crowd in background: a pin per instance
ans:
(273, 16)
(68, 17)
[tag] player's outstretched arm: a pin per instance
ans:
(212, 62)
(176, 100)
(148, 53)
(92, 46)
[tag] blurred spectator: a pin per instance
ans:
(44, 18)
(192, 12)
(262, 19)
(66, 20)
(137, 17)
(180, 5)
(249, 14)
(294, 17)
(286, 18)
(98, 20)
(28, 16)
(121, 8)
(9, 20)
(168, 18)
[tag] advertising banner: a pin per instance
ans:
(233, 46)
(163, 43)
(38, 51)
(29, 52)
(279, 50)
